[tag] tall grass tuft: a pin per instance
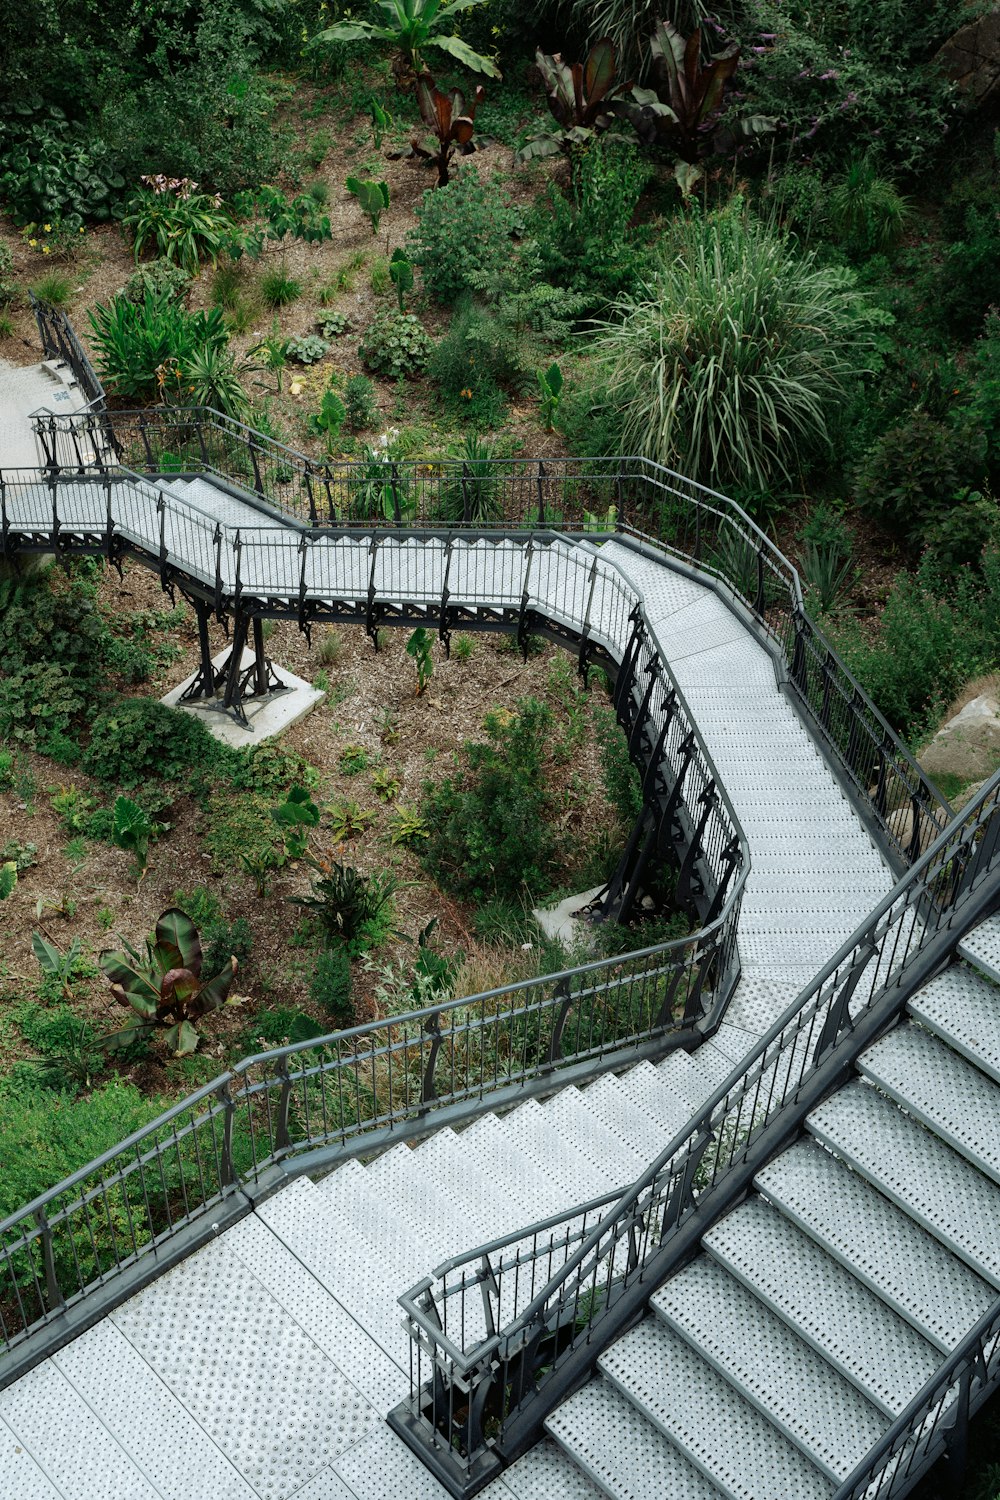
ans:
(729, 362)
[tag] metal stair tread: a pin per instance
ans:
(831, 1309)
(727, 1438)
(770, 1365)
(926, 1178)
(510, 1163)
(880, 1244)
(651, 1092)
(947, 1094)
(981, 948)
(610, 1154)
(611, 1103)
(964, 1010)
(415, 1195)
(685, 1079)
(484, 1194)
(621, 1450)
(536, 1134)
(349, 1193)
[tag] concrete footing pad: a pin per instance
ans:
(562, 921)
(267, 716)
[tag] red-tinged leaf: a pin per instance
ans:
(462, 130)
(178, 988)
(426, 89)
(137, 986)
(692, 58)
(181, 1040)
(213, 996)
(599, 74)
(175, 929)
(715, 78)
(141, 1004)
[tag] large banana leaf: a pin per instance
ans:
(175, 930)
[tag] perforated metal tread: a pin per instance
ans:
(623, 1452)
(771, 1366)
(611, 1154)
(964, 1010)
(935, 1186)
(688, 1084)
(730, 1441)
(547, 1473)
(939, 1088)
(501, 1194)
(534, 1133)
(609, 1100)
(22, 1478)
(652, 1093)
(878, 1243)
(824, 1304)
(450, 1225)
(982, 948)
(349, 1193)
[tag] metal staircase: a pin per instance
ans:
(820, 1307)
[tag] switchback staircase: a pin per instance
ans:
(777, 1245)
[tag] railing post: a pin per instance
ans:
(428, 1091)
(227, 1173)
(394, 488)
(307, 478)
(4, 518)
(258, 483)
(540, 488)
(564, 995)
(53, 1291)
(758, 603)
(466, 507)
(282, 1138)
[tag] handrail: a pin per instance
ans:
(632, 498)
(541, 1339)
(359, 1089)
(59, 341)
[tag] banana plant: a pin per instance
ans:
(164, 986)
(372, 196)
(582, 98)
(413, 26)
(450, 119)
(682, 111)
(401, 275)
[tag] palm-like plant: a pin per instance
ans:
(582, 99)
(728, 364)
(413, 26)
(452, 122)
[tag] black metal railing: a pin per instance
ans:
(284, 1111)
(630, 498)
(501, 1333)
(59, 341)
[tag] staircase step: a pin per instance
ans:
(533, 1133)
(545, 1472)
(852, 1329)
(494, 1190)
(612, 1155)
(611, 1101)
(926, 1178)
(982, 948)
(686, 1081)
(964, 1011)
(450, 1225)
(349, 1193)
(514, 1168)
(648, 1089)
(730, 1441)
(878, 1243)
(947, 1094)
(771, 1366)
(621, 1451)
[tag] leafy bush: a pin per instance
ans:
(349, 907)
(622, 783)
(468, 366)
(278, 288)
(488, 825)
(463, 230)
(50, 173)
(331, 985)
(51, 638)
(396, 345)
(969, 279)
(910, 477)
(307, 349)
(139, 740)
(731, 361)
(359, 402)
(182, 225)
(161, 278)
(134, 341)
(8, 285)
(864, 211)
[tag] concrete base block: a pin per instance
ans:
(562, 921)
(267, 716)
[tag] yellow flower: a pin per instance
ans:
(45, 250)
(81, 230)
(47, 228)
(32, 243)
(467, 394)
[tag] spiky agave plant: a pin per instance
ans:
(164, 987)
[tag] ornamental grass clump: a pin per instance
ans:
(729, 362)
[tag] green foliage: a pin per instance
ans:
(373, 198)
(968, 284)
(407, 827)
(71, 1055)
(913, 473)
(381, 122)
(550, 389)
(300, 218)
(178, 223)
(58, 966)
(223, 940)
(826, 561)
(50, 173)
(474, 363)
(473, 496)
(138, 740)
(278, 289)
(349, 907)
(395, 345)
(334, 325)
(463, 232)
(418, 645)
(8, 283)
(8, 879)
(412, 26)
(359, 403)
(401, 275)
(488, 825)
(730, 363)
(273, 353)
(308, 349)
(864, 211)
(622, 784)
(55, 288)
(295, 817)
(143, 347)
(132, 829)
(331, 986)
(327, 422)
(161, 278)
(353, 759)
(163, 986)
(348, 820)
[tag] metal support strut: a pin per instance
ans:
(227, 687)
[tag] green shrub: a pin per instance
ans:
(51, 638)
(622, 783)
(349, 907)
(730, 363)
(910, 477)
(463, 230)
(135, 341)
(468, 368)
(278, 288)
(863, 211)
(331, 985)
(139, 740)
(969, 278)
(8, 285)
(307, 349)
(160, 277)
(359, 401)
(489, 830)
(395, 345)
(50, 173)
(179, 223)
